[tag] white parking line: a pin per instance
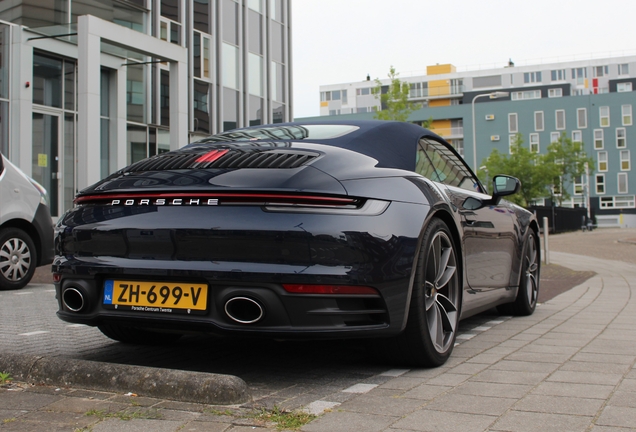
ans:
(23, 293)
(360, 388)
(33, 333)
(75, 325)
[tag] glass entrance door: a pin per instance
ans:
(46, 157)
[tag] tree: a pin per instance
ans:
(394, 101)
(536, 177)
(567, 160)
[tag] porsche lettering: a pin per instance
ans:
(165, 201)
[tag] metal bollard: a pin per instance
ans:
(546, 249)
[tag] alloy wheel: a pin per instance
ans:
(15, 259)
(531, 271)
(441, 291)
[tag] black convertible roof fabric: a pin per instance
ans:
(393, 144)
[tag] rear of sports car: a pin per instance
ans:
(258, 238)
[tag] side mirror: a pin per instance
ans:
(503, 185)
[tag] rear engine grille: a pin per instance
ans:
(223, 158)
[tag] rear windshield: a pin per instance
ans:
(292, 132)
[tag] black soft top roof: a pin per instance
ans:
(393, 144)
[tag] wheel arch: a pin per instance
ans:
(444, 214)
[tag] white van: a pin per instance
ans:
(26, 228)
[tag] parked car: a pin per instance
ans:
(26, 229)
(356, 229)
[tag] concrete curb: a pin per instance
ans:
(184, 386)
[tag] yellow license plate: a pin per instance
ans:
(156, 296)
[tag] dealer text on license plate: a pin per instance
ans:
(170, 297)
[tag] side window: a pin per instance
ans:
(437, 162)
(1, 164)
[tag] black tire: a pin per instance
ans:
(429, 337)
(526, 301)
(137, 336)
(18, 259)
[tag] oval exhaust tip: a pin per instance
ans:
(244, 310)
(73, 299)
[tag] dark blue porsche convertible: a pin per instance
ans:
(300, 230)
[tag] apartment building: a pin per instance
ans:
(591, 101)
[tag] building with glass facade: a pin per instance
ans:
(90, 86)
(591, 101)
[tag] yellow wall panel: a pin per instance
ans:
(438, 88)
(439, 102)
(324, 104)
(440, 69)
(441, 127)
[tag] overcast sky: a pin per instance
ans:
(340, 41)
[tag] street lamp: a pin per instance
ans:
(493, 95)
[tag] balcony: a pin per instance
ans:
(444, 92)
(450, 133)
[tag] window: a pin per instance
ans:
(598, 139)
(458, 144)
(255, 74)
(364, 91)
(604, 114)
(624, 87)
(621, 141)
(335, 95)
(434, 161)
(600, 183)
(555, 92)
(560, 119)
(531, 94)
(201, 55)
(531, 77)
(578, 185)
(602, 161)
(534, 142)
(512, 123)
(617, 202)
(334, 112)
(581, 118)
(626, 112)
(344, 97)
(600, 71)
(558, 75)
(538, 121)
(554, 136)
(579, 75)
(577, 136)
(623, 69)
(625, 166)
(622, 183)
(230, 74)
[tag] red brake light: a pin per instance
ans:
(329, 289)
(212, 156)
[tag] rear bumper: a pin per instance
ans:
(246, 253)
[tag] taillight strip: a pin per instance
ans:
(136, 198)
(330, 289)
